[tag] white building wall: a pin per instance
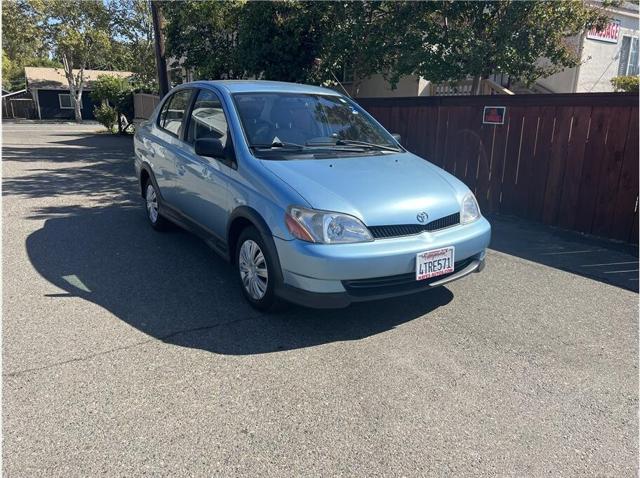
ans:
(601, 59)
(562, 82)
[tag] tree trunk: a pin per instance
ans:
(77, 107)
(476, 85)
(158, 34)
(75, 90)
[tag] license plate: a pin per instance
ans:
(434, 263)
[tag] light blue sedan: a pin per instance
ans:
(309, 197)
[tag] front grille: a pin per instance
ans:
(382, 232)
(395, 284)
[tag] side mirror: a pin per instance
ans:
(210, 147)
(397, 137)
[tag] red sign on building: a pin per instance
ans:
(609, 34)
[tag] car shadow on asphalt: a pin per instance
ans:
(171, 286)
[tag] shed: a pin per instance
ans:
(50, 91)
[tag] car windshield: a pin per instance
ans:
(294, 123)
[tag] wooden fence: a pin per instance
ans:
(144, 104)
(565, 160)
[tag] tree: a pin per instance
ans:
(279, 40)
(441, 41)
(202, 36)
(22, 44)
(20, 33)
(117, 92)
(159, 25)
(453, 40)
(131, 23)
(366, 38)
(78, 33)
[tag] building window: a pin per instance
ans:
(65, 101)
(628, 56)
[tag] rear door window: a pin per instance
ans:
(173, 111)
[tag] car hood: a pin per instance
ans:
(379, 190)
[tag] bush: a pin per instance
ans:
(627, 84)
(106, 116)
(118, 93)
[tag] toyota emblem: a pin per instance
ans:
(422, 216)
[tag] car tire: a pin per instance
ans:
(255, 268)
(152, 206)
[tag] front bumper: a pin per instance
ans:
(334, 275)
(336, 300)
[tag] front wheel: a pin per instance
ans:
(255, 270)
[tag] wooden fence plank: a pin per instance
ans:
(627, 189)
(456, 140)
(557, 164)
(633, 237)
(611, 165)
(485, 151)
(592, 165)
(525, 167)
(539, 167)
(575, 157)
(472, 137)
(500, 144)
(441, 137)
(517, 124)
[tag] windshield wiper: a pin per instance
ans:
(280, 145)
(352, 142)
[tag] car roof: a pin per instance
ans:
(263, 86)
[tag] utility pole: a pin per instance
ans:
(158, 40)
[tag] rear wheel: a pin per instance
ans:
(255, 270)
(152, 203)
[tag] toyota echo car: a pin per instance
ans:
(310, 198)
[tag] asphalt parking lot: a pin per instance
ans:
(127, 352)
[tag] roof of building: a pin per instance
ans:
(54, 78)
(263, 86)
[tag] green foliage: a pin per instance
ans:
(442, 41)
(117, 92)
(628, 84)
(20, 32)
(13, 78)
(96, 34)
(453, 40)
(22, 43)
(204, 35)
(76, 30)
(279, 40)
(106, 116)
(131, 24)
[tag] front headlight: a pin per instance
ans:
(470, 209)
(325, 227)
